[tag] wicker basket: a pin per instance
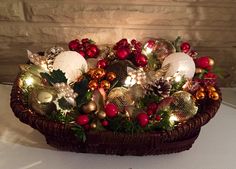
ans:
(61, 136)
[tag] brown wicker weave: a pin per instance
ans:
(61, 136)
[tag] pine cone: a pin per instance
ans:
(160, 87)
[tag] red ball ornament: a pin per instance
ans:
(149, 112)
(142, 119)
(105, 123)
(185, 47)
(92, 51)
(74, 44)
(150, 44)
(82, 120)
(152, 106)
(204, 62)
(122, 53)
(85, 40)
(111, 110)
(102, 63)
(158, 118)
(141, 60)
(82, 53)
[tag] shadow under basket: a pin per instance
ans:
(106, 142)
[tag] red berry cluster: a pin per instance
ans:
(186, 48)
(204, 67)
(143, 117)
(85, 47)
(132, 51)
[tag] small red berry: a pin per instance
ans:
(158, 118)
(102, 63)
(142, 119)
(185, 47)
(122, 53)
(74, 44)
(82, 53)
(133, 41)
(82, 119)
(111, 110)
(141, 60)
(152, 106)
(85, 40)
(92, 51)
(105, 123)
(150, 112)
(150, 43)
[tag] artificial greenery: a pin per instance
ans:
(56, 76)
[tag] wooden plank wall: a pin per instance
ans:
(38, 24)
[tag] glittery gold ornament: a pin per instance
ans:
(93, 84)
(41, 100)
(111, 76)
(121, 97)
(91, 71)
(214, 96)
(89, 107)
(105, 84)
(98, 73)
(200, 95)
(101, 115)
(183, 106)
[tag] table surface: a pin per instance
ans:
(22, 147)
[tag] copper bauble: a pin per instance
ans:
(89, 107)
(98, 73)
(111, 76)
(214, 96)
(93, 84)
(200, 95)
(101, 115)
(105, 84)
(211, 88)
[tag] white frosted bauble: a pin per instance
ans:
(180, 63)
(71, 63)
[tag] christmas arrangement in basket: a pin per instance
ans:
(126, 99)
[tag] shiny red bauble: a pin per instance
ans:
(105, 123)
(82, 53)
(122, 53)
(92, 51)
(111, 110)
(152, 106)
(185, 47)
(151, 44)
(74, 44)
(203, 62)
(142, 119)
(82, 119)
(102, 63)
(141, 60)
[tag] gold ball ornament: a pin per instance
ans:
(98, 73)
(105, 84)
(93, 125)
(41, 100)
(214, 96)
(101, 115)
(89, 107)
(93, 84)
(211, 62)
(198, 70)
(200, 95)
(183, 106)
(111, 76)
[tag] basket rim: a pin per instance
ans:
(53, 128)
